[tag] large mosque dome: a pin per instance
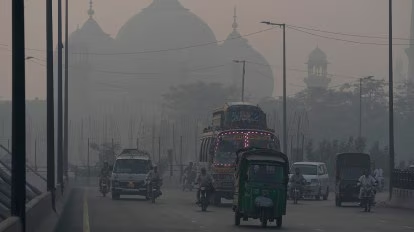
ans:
(165, 24)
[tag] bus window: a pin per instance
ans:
(201, 157)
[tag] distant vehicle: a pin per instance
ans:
(317, 179)
(411, 168)
(129, 173)
(349, 168)
(236, 125)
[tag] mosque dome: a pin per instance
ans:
(259, 80)
(164, 24)
(317, 56)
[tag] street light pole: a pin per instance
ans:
(60, 101)
(66, 119)
(18, 164)
(391, 102)
(243, 76)
(50, 103)
(283, 26)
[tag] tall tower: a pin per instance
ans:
(410, 50)
(317, 70)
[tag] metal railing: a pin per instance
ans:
(403, 179)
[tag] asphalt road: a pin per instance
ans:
(88, 211)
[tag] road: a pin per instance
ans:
(175, 211)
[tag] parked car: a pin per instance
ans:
(317, 179)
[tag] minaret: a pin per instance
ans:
(410, 50)
(235, 25)
(91, 12)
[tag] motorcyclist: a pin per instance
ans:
(105, 174)
(152, 177)
(204, 180)
(297, 181)
(187, 172)
(366, 181)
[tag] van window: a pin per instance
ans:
(131, 166)
(321, 170)
(306, 169)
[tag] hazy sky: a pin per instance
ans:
(362, 17)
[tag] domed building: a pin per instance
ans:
(163, 45)
(317, 70)
(86, 68)
(259, 80)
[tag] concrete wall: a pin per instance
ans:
(402, 198)
(40, 216)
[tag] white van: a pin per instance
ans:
(317, 178)
(129, 173)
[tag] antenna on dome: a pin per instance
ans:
(235, 25)
(91, 12)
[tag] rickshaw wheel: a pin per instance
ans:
(264, 223)
(279, 222)
(237, 218)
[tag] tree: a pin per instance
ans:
(106, 151)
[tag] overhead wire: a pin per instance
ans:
(346, 34)
(344, 40)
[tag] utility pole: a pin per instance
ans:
(50, 103)
(243, 76)
(283, 26)
(391, 102)
(66, 119)
(360, 104)
(18, 170)
(360, 108)
(60, 101)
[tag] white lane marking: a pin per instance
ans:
(318, 229)
(408, 227)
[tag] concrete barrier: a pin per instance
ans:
(11, 224)
(40, 216)
(402, 198)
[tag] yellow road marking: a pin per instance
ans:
(85, 213)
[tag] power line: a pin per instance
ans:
(162, 50)
(345, 34)
(344, 40)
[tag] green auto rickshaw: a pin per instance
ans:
(261, 180)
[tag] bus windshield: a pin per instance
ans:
(227, 147)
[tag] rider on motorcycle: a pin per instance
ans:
(204, 180)
(105, 174)
(366, 181)
(297, 181)
(152, 177)
(187, 173)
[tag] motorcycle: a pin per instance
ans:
(155, 189)
(296, 195)
(104, 186)
(367, 197)
(204, 201)
(188, 181)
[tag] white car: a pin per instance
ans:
(129, 174)
(317, 179)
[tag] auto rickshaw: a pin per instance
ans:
(349, 167)
(261, 180)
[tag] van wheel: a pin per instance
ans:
(325, 197)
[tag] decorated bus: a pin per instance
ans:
(234, 126)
